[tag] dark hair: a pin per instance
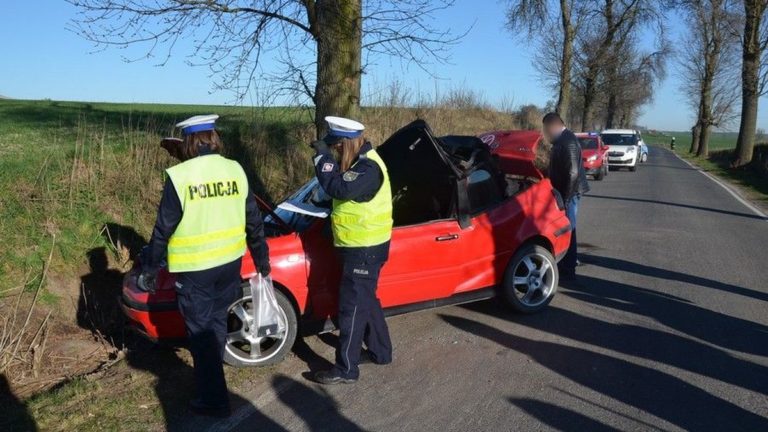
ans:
(190, 147)
(552, 117)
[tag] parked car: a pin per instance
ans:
(474, 219)
(624, 148)
(594, 154)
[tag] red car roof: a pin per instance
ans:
(516, 150)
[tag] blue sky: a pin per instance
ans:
(42, 59)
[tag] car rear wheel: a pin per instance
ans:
(531, 279)
(601, 174)
(245, 349)
(644, 157)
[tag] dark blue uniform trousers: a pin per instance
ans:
(204, 297)
(361, 318)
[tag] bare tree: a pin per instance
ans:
(754, 68)
(706, 60)
(323, 47)
(555, 23)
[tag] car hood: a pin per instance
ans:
(620, 148)
(517, 151)
(585, 153)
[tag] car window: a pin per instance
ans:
(312, 196)
(619, 139)
(588, 143)
(483, 191)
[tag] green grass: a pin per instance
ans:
(751, 182)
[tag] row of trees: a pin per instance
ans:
(590, 54)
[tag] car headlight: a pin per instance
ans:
(592, 158)
(631, 149)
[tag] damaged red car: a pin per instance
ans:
(474, 219)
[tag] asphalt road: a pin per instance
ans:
(668, 330)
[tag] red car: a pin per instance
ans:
(594, 154)
(473, 219)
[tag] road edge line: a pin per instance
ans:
(725, 186)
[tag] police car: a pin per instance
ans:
(474, 218)
(624, 147)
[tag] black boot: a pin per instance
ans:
(332, 377)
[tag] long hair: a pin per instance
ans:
(192, 143)
(350, 148)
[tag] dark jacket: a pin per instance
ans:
(169, 216)
(566, 170)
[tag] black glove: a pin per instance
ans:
(147, 281)
(264, 269)
(320, 146)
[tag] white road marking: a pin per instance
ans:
(727, 188)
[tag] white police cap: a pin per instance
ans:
(198, 123)
(340, 127)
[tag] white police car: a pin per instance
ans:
(624, 147)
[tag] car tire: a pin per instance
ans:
(644, 157)
(523, 271)
(271, 350)
(600, 175)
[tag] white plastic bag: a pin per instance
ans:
(267, 317)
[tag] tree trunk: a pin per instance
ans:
(569, 33)
(589, 100)
(750, 77)
(695, 133)
(339, 50)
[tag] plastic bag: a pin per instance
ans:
(267, 317)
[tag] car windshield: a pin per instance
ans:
(588, 143)
(619, 139)
(302, 208)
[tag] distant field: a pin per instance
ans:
(718, 141)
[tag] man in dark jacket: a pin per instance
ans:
(566, 172)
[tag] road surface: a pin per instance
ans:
(668, 330)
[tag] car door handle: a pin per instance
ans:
(448, 237)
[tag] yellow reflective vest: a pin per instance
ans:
(362, 224)
(212, 191)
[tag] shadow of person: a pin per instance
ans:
(644, 388)
(317, 409)
(559, 418)
(14, 415)
(98, 308)
(174, 386)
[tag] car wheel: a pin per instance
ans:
(601, 174)
(243, 348)
(531, 279)
(644, 157)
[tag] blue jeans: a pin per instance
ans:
(568, 264)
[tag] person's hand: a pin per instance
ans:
(319, 145)
(147, 281)
(264, 269)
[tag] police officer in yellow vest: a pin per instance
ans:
(207, 218)
(361, 221)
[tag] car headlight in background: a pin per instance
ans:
(592, 158)
(631, 149)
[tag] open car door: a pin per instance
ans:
(429, 241)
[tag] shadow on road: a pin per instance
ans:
(559, 418)
(641, 269)
(14, 415)
(714, 327)
(688, 206)
(655, 392)
(316, 408)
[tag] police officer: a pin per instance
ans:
(207, 217)
(361, 221)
